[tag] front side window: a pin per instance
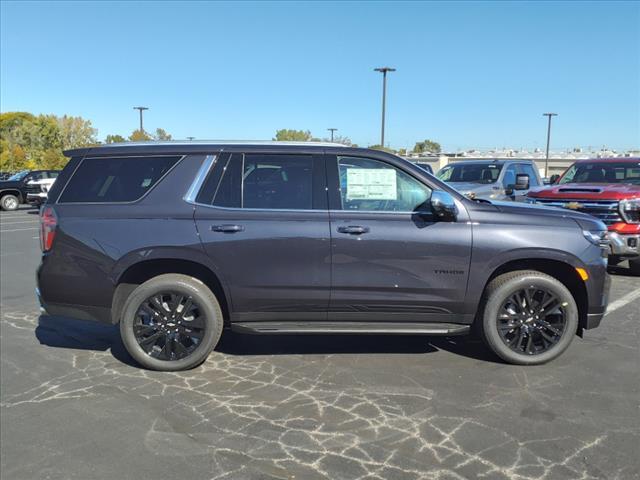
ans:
(115, 179)
(603, 172)
(372, 185)
(259, 181)
(509, 176)
(470, 172)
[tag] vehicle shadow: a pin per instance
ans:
(60, 332)
(621, 269)
(244, 344)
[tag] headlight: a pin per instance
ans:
(597, 237)
(630, 210)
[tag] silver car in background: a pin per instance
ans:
(492, 179)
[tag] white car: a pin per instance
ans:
(38, 191)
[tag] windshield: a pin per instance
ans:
(470, 172)
(605, 172)
(18, 176)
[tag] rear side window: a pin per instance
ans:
(115, 179)
(262, 181)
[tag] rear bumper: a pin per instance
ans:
(79, 312)
(624, 245)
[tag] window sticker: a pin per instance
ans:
(371, 184)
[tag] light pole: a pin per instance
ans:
(141, 109)
(546, 158)
(384, 71)
(332, 130)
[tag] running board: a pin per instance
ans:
(345, 328)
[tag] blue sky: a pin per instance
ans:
(469, 74)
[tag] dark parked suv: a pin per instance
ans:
(178, 241)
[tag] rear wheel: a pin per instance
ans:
(171, 322)
(529, 317)
(9, 202)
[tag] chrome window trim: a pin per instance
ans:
(291, 210)
(130, 202)
(196, 185)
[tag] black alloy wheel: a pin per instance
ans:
(532, 321)
(169, 326)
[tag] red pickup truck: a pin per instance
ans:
(609, 189)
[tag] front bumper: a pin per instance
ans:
(36, 198)
(624, 245)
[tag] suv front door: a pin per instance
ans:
(391, 260)
(263, 220)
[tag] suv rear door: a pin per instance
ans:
(263, 220)
(390, 263)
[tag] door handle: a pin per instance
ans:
(227, 228)
(353, 230)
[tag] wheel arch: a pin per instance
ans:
(12, 191)
(139, 272)
(559, 269)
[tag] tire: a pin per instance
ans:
(614, 260)
(522, 338)
(9, 202)
(634, 266)
(160, 333)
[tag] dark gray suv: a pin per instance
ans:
(178, 241)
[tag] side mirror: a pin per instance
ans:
(522, 182)
(554, 179)
(444, 206)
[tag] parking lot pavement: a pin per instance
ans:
(73, 405)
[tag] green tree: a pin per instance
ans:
(29, 141)
(76, 132)
(114, 139)
(286, 135)
(339, 139)
(428, 146)
(384, 149)
(140, 136)
(161, 134)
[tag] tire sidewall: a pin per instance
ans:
(498, 297)
(7, 197)
(187, 286)
(634, 266)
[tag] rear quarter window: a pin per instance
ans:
(115, 179)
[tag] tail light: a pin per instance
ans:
(48, 224)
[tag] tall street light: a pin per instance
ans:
(546, 158)
(141, 109)
(384, 71)
(332, 130)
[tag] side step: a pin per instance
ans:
(346, 328)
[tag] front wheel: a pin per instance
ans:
(529, 317)
(171, 322)
(9, 202)
(634, 266)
